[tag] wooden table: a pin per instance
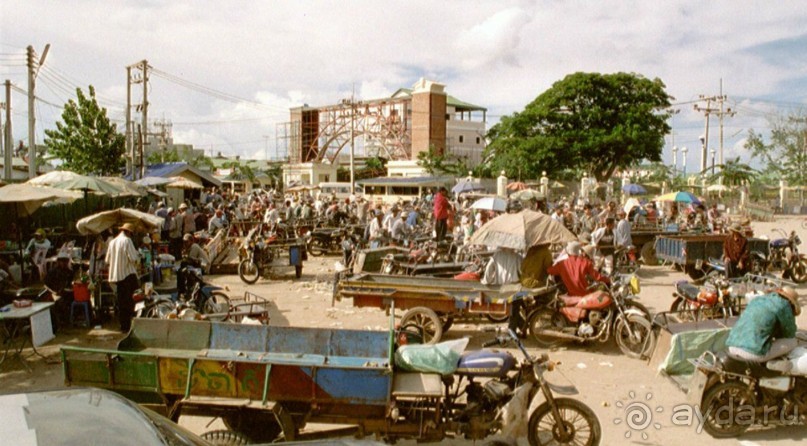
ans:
(13, 321)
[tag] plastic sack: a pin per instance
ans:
(439, 358)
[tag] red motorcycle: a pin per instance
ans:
(596, 316)
(712, 300)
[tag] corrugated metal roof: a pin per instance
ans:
(167, 170)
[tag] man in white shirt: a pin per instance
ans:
(123, 258)
(622, 231)
(375, 230)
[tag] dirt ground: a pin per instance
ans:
(608, 381)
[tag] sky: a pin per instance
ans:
(248, 62)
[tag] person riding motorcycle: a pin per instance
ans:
(575, 270)
(766, 328)
(193, 255)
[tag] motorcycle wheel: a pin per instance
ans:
(799, 271)
(219, 304)
(682, 311)
(581, 424)
(315, 247)
(428, 321)
(640, 306)
(641, 342)
(159, 311)
(248, 271)
(545, 319)
(731, 395)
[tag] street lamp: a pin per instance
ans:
(684, 151)
(713, 161)
(702, 139)
(675, 160)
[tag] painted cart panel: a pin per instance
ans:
(182, 359)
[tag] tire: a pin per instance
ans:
(545, 318)
(248, 271)
(582, 424)
(226, 438)
(682, 311)
(298, 271)
(497, 319)
(217, 303)
(649, 253)
(258, 426)
(729, 395)
(160, 310)
(428, 321)
(799, 271)
(315, 247)
(641, 344)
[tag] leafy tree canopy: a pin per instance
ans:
(785, 155)
(593, 122)
(86, 141)
(436, 163)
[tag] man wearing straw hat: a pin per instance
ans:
(735, 252)
(123, 258)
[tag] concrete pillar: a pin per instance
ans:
(501, 185)
(782, 194)
(625, 195)
(545, 185)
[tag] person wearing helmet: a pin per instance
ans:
(575, 270)
(766, 328)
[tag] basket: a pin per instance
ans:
(81, 292)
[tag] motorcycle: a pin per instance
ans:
(734, 394)
(259, 251)
(596, 316)
(626, 260)
(487, 381)
(711, 301)
(321, 241)
(203, 297)
(784, 256)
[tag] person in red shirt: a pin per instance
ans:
(440, 214)
(575, 270)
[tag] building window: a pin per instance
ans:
(478, 140)
(461, 139)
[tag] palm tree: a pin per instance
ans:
(732, 173)
(239, 171)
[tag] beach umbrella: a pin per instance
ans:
(27, 198)
(521, 230)
(51, 178)
(634, 189)
(557, 185)
(518, 185)
(679, 197)
(129, 188)
(466, 186)
(527, 194)
(90, 185)
(490, 204)
(183, 183)
(153, 181)
(97, 223)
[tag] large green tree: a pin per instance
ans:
(437, 163)
(786, 153)
(594, 122)
(86, 141)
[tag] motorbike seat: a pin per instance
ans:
(687, 289)
(741, 366)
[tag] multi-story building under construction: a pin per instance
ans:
(318, 139)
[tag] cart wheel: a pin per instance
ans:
(428, 321)
(226, 438)
(298, 270)
(649, 253)
(248, 271)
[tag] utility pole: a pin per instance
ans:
(352, 103)
(33, 69)
(720, 111)
(134, 151)
(8, 146)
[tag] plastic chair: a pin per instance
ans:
(86, 307)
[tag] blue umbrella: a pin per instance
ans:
(634, 189)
